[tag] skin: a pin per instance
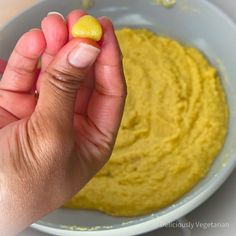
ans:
(52, 146)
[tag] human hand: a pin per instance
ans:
(52, 145)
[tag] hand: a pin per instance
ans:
(51, 146)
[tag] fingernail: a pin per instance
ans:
(56, 13)
(35, 29)
(105, 18)
(83, 56)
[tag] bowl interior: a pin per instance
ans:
(198, 23)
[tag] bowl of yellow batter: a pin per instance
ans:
(176, 144)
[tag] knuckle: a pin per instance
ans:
(64, 79)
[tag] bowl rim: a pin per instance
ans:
(150, 222)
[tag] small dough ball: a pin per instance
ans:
(87, 27)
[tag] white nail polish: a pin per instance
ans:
(35, 29)
(56, 13)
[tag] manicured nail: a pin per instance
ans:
(56, 13)
(83, 56)
(35, 29)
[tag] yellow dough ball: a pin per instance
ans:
(87, 27)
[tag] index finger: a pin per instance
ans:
(110, 78)
(106, 105)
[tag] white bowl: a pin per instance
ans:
(199, 23)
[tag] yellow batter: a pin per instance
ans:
(174, 126)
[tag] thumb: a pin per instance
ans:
(62, 78)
